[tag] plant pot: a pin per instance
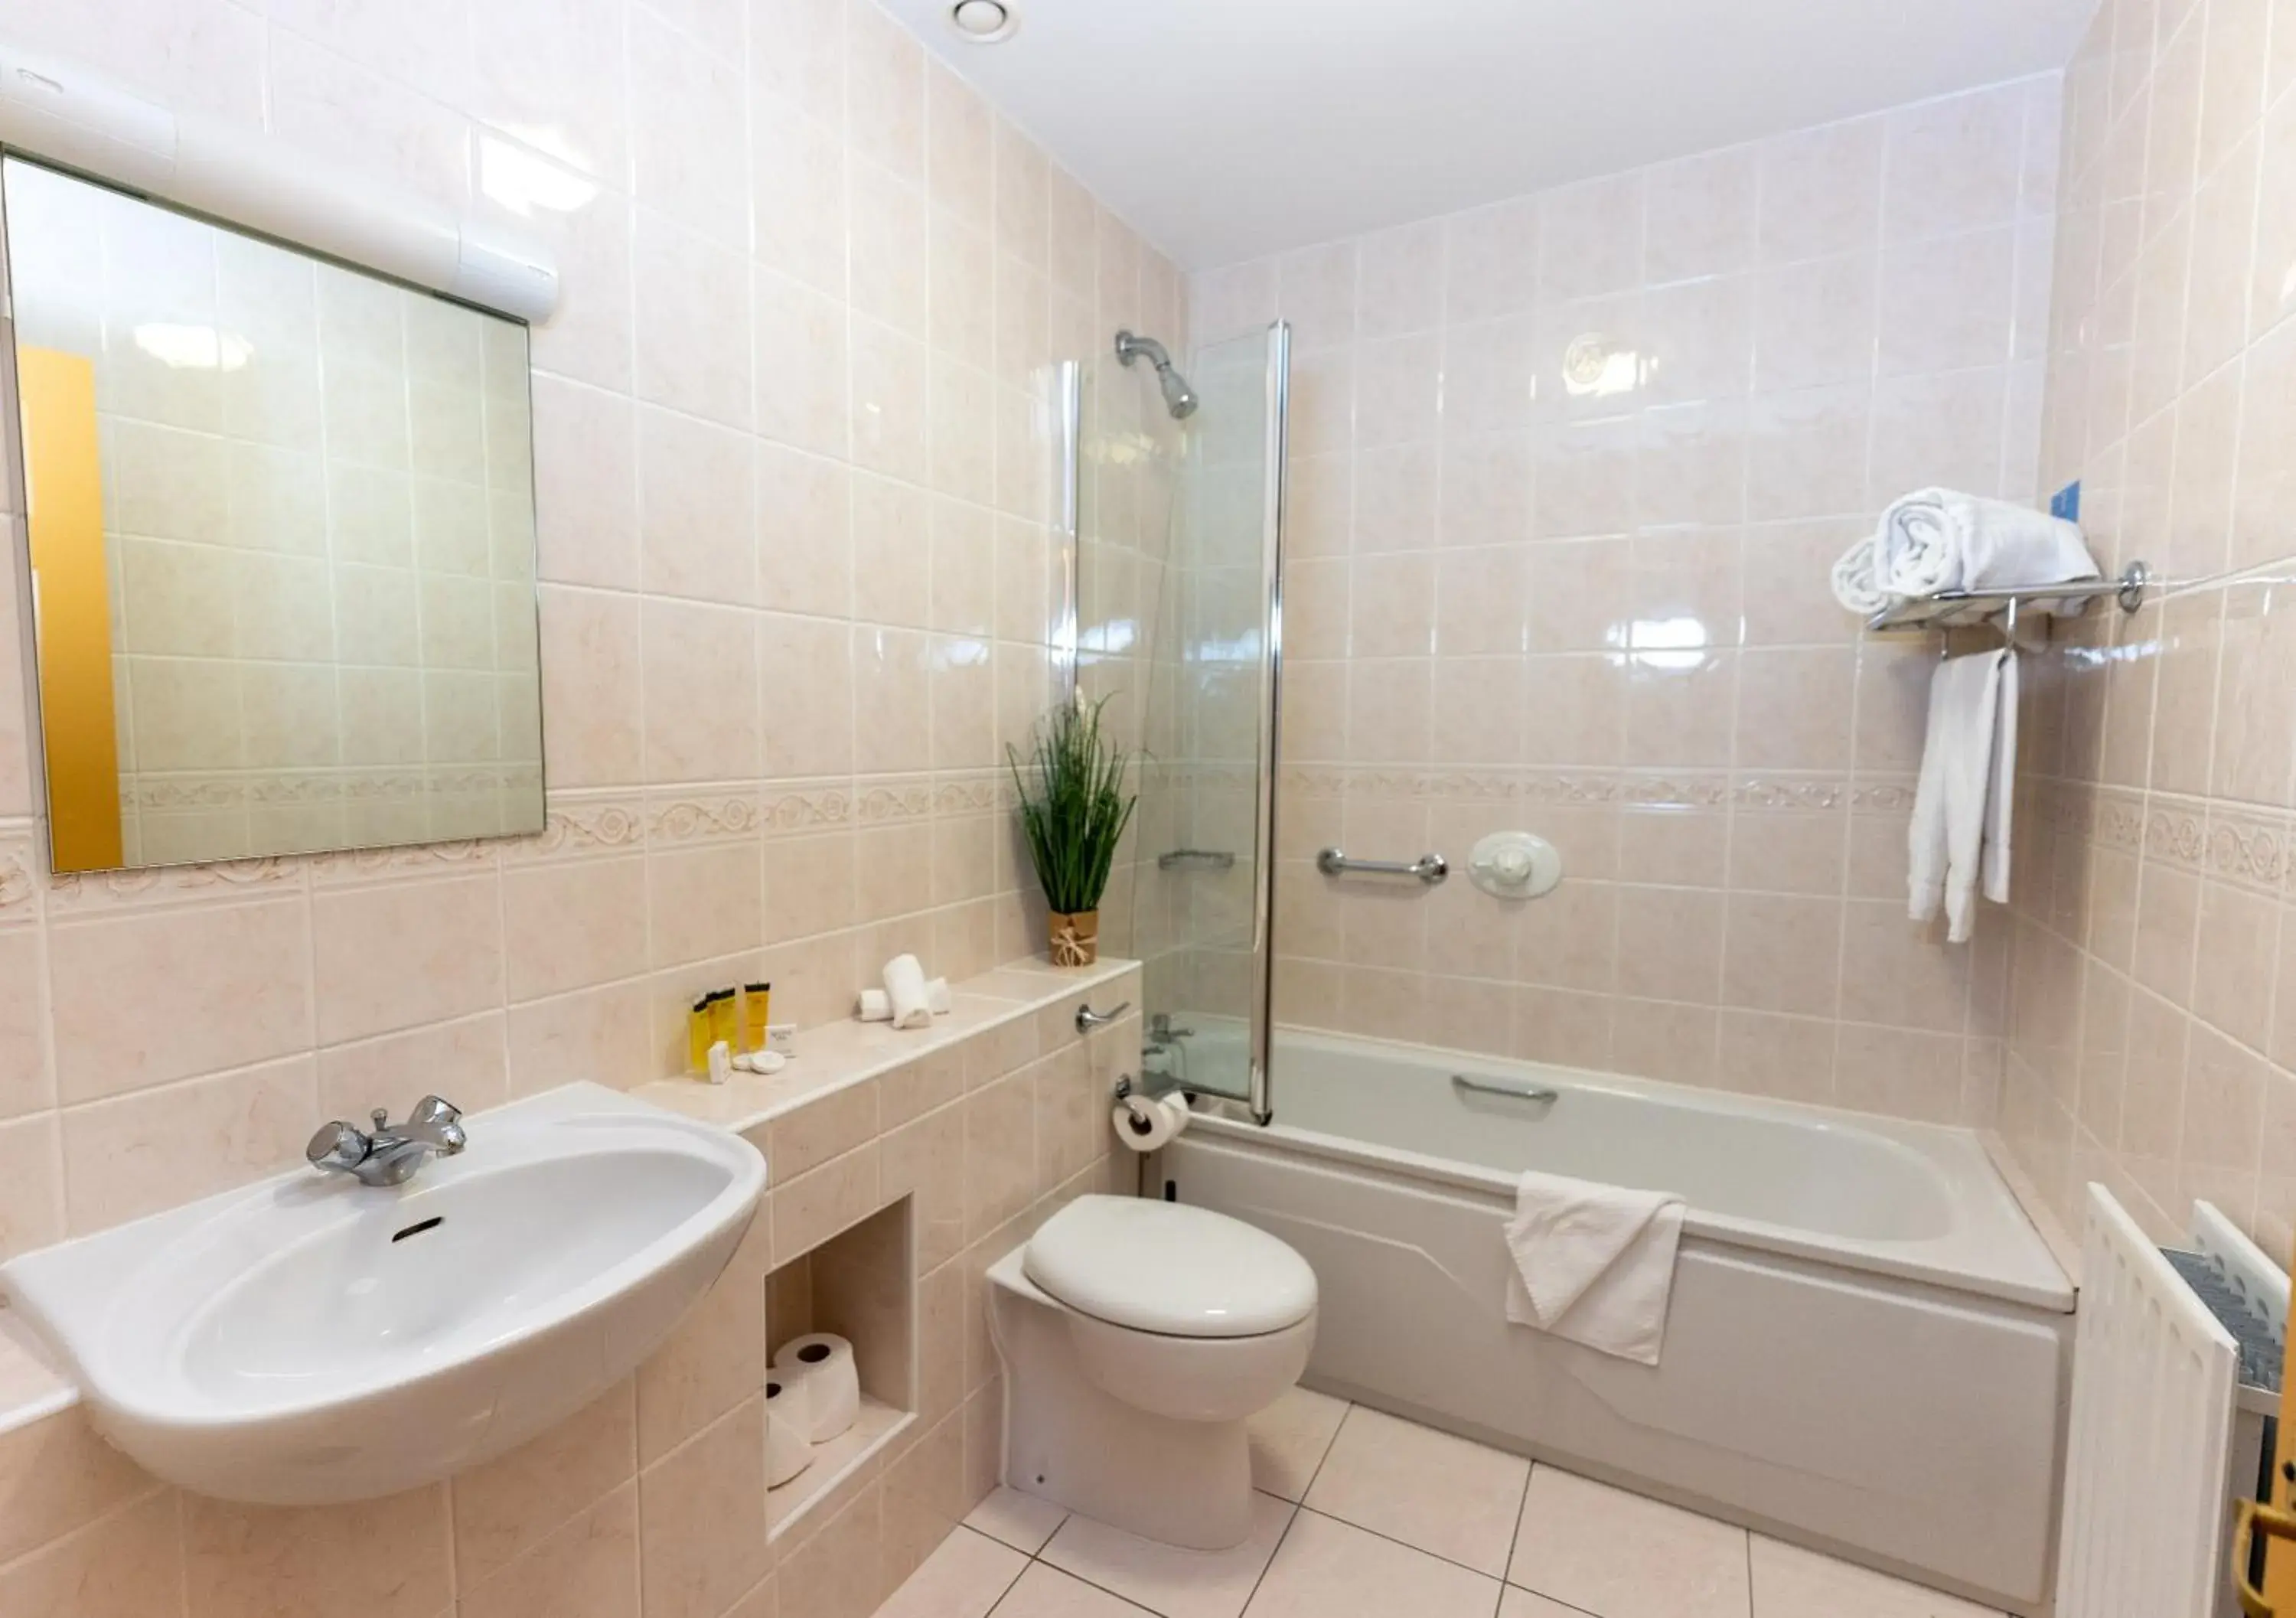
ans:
(1075, 939)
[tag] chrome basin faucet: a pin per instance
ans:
(391, 1153)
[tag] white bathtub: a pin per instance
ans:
(1868, 1348)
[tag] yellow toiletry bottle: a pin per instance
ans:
(697, 1037)
(756, 999)
(724, 1022)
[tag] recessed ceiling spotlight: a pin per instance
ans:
(984, 21)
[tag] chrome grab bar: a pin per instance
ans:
(1219, 860)
(1520, 1090)
(1087, 1019)
(1429, 869)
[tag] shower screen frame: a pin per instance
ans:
(1066, 384)
(1262, 1101)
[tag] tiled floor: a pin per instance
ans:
(1362, 1515)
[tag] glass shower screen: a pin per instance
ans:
(1209, 629)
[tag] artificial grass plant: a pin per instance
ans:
(1078, 809)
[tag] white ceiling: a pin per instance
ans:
(1224, 129)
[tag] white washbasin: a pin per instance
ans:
(312, 1339)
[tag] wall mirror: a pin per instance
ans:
(281, 525)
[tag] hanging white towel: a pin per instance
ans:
(1940, 540)
(1962, 794)
(1594, 1264)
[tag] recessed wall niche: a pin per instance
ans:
(861, 1285)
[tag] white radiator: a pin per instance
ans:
(2153, 1382)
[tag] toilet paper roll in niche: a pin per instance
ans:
(1145, 1125)
(788, 1451)
(821, 1363)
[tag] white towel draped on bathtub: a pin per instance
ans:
(1594, 1264)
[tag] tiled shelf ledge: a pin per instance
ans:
(839, 1056)
(878, 1426)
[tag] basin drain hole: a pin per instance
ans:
(420, 1226)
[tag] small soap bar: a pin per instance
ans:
(781, 1037)
(721, 1063)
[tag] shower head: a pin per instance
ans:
(1178, 396)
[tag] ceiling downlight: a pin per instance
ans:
(984, 21)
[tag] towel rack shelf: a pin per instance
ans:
(1949, 608)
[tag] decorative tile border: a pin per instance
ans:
(2248, 849)
(1562, 789)
(189, 792)
(2244, 845)
(683, 818)
(97, 892)
(2176, 832)
(2118, 821)
(1763, 793)
(1670, 792)
(797, 808)
(890, 802)
(1772, 793)
(1888, 795)
(980, 793)
(582, 824)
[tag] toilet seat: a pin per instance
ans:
(1169, 1268)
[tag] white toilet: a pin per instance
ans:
(1137, 1337)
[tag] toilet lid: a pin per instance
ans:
(1169, 1268)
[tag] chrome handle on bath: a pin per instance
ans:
(1429, 869)
(1087, 1019)
(1520, 1090)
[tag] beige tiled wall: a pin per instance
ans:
(1569, 472)
(791, 488)
(2153, 1026)
(652, 1501)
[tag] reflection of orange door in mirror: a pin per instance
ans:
(64, 490)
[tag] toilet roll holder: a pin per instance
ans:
(1127, 1087)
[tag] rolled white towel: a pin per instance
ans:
(877, 1006)
(905, 987)
(1854, 585)
(1938, 539)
